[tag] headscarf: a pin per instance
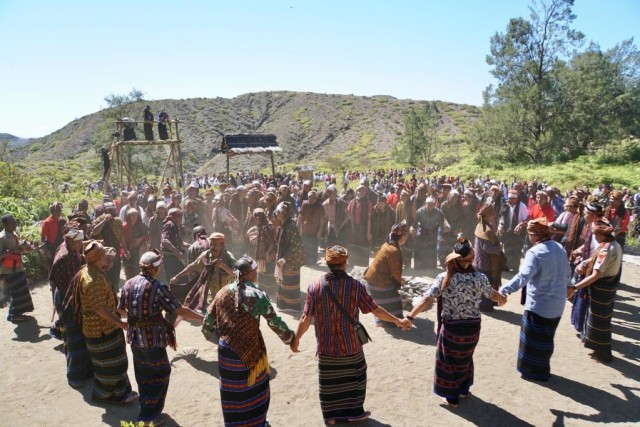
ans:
(539, 227)
(616, 194)
(595, 208)
(484, 229)
(397, 231)
(217, 237)
(151, 259)
(602, 227)
(74, 234)
(93, 251)
(462, 254)
(336, 255)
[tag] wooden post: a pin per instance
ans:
(227, 166)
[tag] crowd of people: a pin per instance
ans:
(211, 254)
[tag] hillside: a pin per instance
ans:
(311, 128)
(13, 140)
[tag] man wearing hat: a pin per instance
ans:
(510, 229)
(68, 261)
(108, 228)
(341, 396)
(545, 270)
(215, 270)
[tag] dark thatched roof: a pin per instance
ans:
(249, 143)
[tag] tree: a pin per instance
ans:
(601, 89)
(4, 149)
(525, 61)
(123, 104)
(420, 141)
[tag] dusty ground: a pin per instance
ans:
(399, 393)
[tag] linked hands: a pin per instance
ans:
(501, 299)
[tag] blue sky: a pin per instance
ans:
(61, 58)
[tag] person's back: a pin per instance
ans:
(548, 270)
(334, 333)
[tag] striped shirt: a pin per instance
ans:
(145, 298)
(336, 337)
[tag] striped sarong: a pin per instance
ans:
(242, 405)
(289, 290)
(598, 328)
(79, 366)
(457, 340)
(536, 346)
(310, 244)
(387, 298)
(580, 309)
(343, 386)
(20, 299)
(110, 364)
(152, 370)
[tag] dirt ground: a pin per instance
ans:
(400, 369)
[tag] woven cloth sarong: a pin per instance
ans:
(598, 328)
(110, 364)
(580, 309)
(455, 345)
(536, 346)
(343, 386)
(79, 365)
(20, 299)
(387, 298)
(289, 290)
(242, 405)
(152, 370)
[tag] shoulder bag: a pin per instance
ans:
(361, 332)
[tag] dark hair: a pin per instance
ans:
(6, 218)
(462, 248)
(243, 265)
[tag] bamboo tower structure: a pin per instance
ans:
(120, 164)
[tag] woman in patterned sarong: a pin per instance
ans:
(94, 303)
(384, 275)
(145, 298)
(12, 271)
(459, 291)
(601, 278)
(234, 316)
(290, 258)
(488, 252)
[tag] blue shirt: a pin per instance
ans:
(545, 270)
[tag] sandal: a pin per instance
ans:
(130, 398)
(446, 402)
(362, 417)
